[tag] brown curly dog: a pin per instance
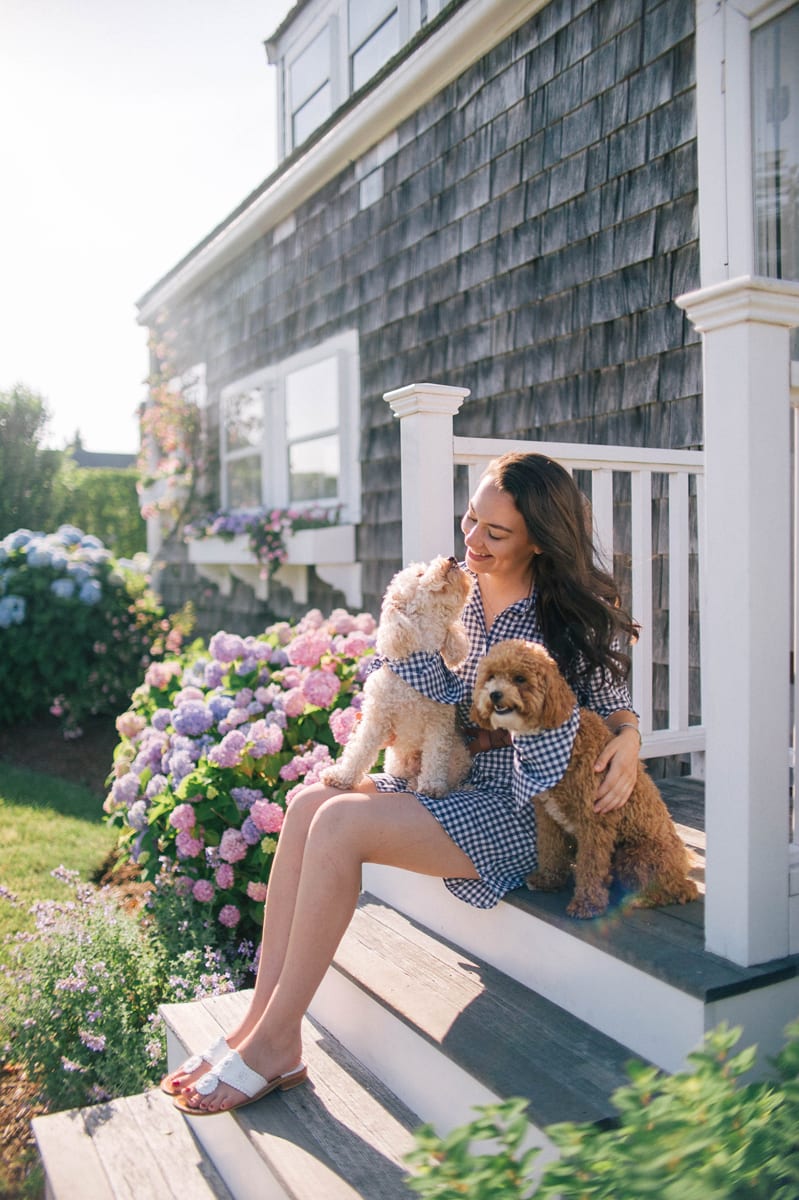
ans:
(520, 688)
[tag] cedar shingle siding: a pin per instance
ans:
(539, 217)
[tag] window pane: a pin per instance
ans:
(364, 15)
(312, 114)
(310, 69)
(775, 108)
(375, 52)
(312, 399)
(314, 469)
(244, 482)
(244, 420)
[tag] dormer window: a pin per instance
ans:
(328, 50)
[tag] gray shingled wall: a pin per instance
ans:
(539, 218)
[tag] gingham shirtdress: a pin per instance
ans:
(492, 819)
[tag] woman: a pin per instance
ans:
(529, 547)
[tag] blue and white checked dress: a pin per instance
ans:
(493, 821)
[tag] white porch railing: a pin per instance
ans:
(644, 503)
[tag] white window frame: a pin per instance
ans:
(270, 381)
(724, 126)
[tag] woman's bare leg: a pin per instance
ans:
(347, 830)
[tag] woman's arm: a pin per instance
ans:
(617, 765)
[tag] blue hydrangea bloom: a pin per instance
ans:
(12, 611)
(15, 541)
(70, 535)
(193, 718)
(220, 706)
(64, 588)
(137, 816)
(90, 592)
(90, 542)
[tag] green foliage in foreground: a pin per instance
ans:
(701, 1134)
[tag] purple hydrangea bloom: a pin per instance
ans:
(178, 764)
(137, 816)
(192, 718)
(220, 706)
(214, 673)
(245, 797)
(161, 718)
(250, 832)
(230, 750)
(156, 785)
(125, 790)
(226, 647)
(232, 847)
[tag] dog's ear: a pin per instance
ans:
(456, 645)
(558, 698)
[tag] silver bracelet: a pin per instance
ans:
(628, 725)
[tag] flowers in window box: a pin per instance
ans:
(267, 529)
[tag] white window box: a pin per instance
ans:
(330, 550)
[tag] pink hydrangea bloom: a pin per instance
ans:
(184, 885)
(307, 649)
(256, 891)
(230, 750)
(366, 622)
(232, 847)
(187, 693)
(224, 876)
(266, 738)
(158, 674)
(266, 816)
(292, 769)
(128, 724)
(294, 702)
(236, 716)
(188, 846)
(229, 916)
(182, 817)
(356, 643)
(292, 792)
(203, 891)
(342, 723)
(313, 619)
(340, 621)
(243, 698)
(321, 688)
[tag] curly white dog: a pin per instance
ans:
(421, 610)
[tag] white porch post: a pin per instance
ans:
(425, 411)
(745, 324)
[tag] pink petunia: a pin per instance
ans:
(266, 816)
(256, 891)
(203, 891)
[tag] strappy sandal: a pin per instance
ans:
(213, 1055)
(234, 1071)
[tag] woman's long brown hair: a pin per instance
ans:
(582, 621)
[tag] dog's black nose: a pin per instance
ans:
(495, 697)
(452, 560)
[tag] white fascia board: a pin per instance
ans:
(461, 41)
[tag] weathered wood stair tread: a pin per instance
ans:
(668, 942)
(138, 1148)
(508, 1038)
(340, 1136)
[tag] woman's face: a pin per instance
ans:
(495, 533)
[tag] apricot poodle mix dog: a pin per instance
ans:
(421, 610)
(520, 688)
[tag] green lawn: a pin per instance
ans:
(44, 823)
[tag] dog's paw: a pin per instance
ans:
(432, 787)
(546, 881)
(584, 908)
(337, 777)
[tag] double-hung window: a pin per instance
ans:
(310, 84)
(374, 37)
(290, 432)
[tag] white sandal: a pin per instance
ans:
(234, 1071)
(213, 1055)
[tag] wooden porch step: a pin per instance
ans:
(463, 1033)
(137, 1148)
(341, 1136)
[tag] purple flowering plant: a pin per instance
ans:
(214, 745)
(79, 626)
(266, 529)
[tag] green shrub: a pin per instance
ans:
(700, 1134)
(104, 501)
(79, 627)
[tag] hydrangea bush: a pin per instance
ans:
(78, 626)
(216, 742)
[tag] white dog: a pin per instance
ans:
(421, 610)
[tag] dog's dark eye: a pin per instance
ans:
(518, 679)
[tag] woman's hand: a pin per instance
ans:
(620, 760)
